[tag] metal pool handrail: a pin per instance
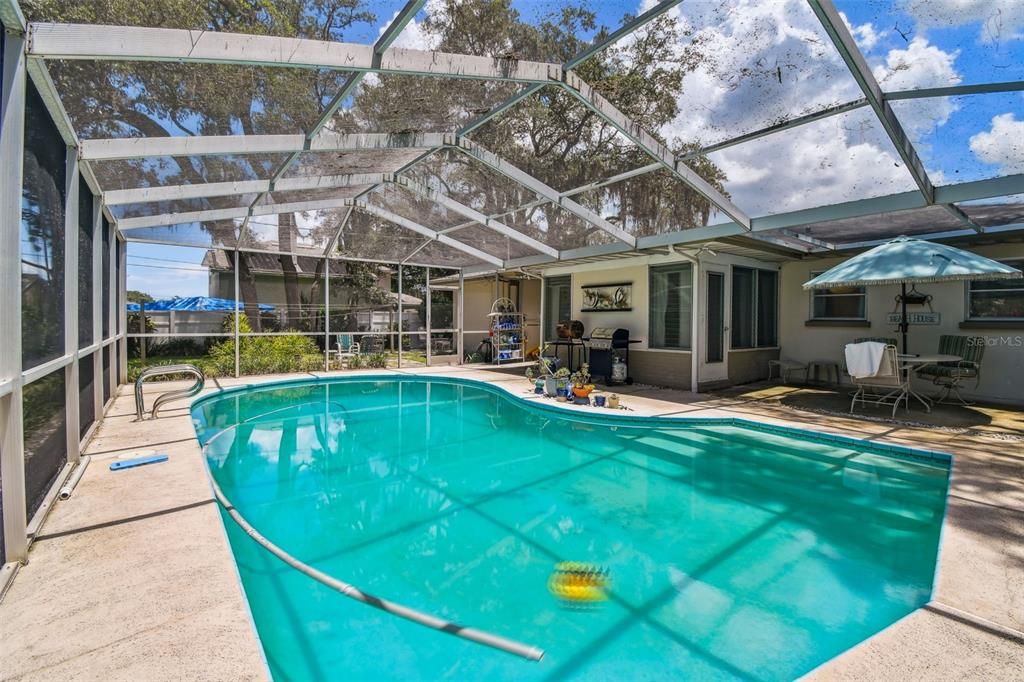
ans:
(194, 389)
(479, 636)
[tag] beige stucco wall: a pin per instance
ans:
(660, 367)
(657, 366)
(1003, 365)
(750, 364)
(480, 294)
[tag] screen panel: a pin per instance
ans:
(386, 103)
(45, 428)
(654, 203)
(157, 171)
(966, 138)
(42, 236)
(207, 234)
(558, 140)
(470, 182)
(833, 160)
(995, 212)
(711, 70)
(913, 44)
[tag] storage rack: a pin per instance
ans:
(508, 328)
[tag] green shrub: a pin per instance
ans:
(377, 360)
(256, 354)
(266, 355)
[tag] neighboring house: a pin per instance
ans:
(350, 309)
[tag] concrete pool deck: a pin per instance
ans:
(132, 578)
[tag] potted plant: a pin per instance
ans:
(580, 379)
(613, 401)
(543, 373)
(556, 385)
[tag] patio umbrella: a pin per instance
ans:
(911, 261)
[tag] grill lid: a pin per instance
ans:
(609, 333)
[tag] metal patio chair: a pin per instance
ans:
(889, 386)
(785, 367)
(949, 376)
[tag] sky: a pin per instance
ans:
(772, 61)
(167, 271)
(766, 62)
(769, 61)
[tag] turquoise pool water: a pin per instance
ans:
(734, 553)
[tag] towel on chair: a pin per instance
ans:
(863, 359)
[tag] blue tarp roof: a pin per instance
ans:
(204, 304)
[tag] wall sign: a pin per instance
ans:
(602, 298)
(929, 318)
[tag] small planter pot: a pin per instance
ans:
(551, 387)
(613, 402)
(581, 391)
(599, 401)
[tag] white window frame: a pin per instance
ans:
(968, 291)
(665, 267)
(824, 292)
(757, 291)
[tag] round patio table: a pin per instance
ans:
(913, 362)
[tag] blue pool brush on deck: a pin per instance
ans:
(137, 462)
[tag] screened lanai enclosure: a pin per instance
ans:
(305, 169)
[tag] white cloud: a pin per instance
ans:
(761, 62)
(413, 37)
(920, 65)
(771, 61)
(865, 35)
(838, 159)
(1002, 145)
(1001, 20)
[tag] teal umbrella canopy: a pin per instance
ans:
(906, 261)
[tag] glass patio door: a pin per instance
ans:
(713, 365)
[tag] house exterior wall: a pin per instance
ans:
(662, 367)
(529, 304)
(479, 295)
(1002, 376)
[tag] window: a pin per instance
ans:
(841, 303)
(671, 296)
(754, 308)
(996, 299)
(557, 304)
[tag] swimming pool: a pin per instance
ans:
(734, 551)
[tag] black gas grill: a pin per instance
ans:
(608, 347)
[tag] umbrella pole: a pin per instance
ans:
(903, 318)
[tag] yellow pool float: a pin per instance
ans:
(579, 582)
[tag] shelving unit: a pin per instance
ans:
(508, 327)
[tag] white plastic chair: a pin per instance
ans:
(347, 348)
